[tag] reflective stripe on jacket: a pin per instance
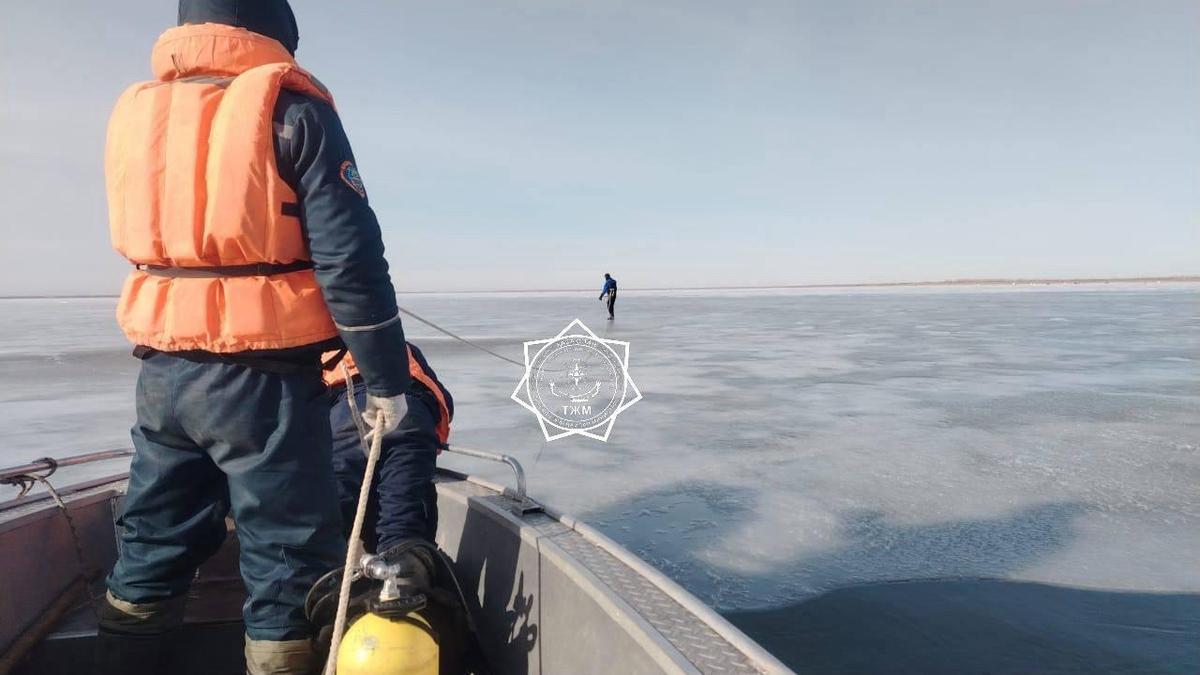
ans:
(193, 183)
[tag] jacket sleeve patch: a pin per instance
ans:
(351, 177)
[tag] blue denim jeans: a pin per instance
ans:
(403, 502)
(215, 438)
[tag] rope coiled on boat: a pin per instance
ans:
(25, 481)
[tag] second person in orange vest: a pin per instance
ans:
(233, 192)
(403, 501)
(402, 514)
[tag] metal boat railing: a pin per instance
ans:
(521, 502)
(51, 465)
(23, 475)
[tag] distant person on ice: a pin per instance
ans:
(609, 289)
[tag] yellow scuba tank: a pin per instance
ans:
(376, 645)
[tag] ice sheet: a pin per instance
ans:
(790, 443)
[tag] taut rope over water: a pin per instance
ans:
(464, 340)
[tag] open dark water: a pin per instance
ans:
(1024, 462)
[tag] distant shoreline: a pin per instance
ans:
(887, 284)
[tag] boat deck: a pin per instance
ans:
(212, 626)
(551, 595)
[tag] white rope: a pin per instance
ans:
(354, 546)
(480, 347)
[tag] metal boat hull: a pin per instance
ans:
(550, 594)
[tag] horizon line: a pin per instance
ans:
(986, 281)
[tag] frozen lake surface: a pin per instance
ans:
(792, 443)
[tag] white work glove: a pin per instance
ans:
(383, 414)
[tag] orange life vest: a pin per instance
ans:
(336, 376)
(192, 183)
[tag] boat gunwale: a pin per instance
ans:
(665, 653)
(69, 492)
(759, 657)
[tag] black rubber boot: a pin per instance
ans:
(125, 654)
(136, 638)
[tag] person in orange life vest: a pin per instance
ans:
(402, 508)
(233, 191)
(403, 501)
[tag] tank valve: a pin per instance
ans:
(400, 592)
(390, 573)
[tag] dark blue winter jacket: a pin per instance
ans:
(343, 238)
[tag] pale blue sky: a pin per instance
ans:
(538, 144)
